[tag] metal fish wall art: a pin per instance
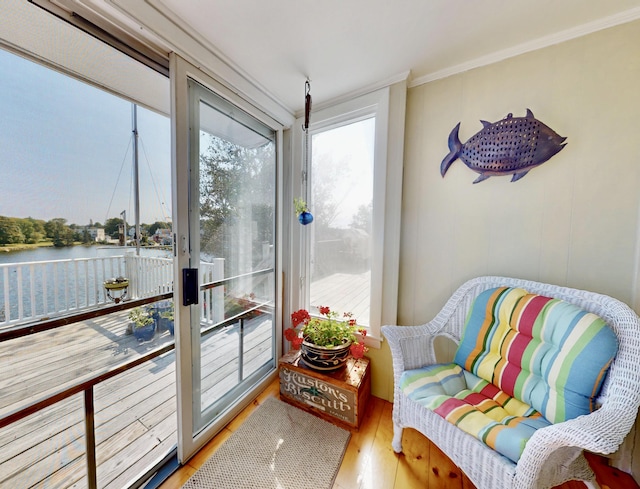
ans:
(513, 145)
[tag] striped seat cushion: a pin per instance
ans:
(475, 406)
(548, 353)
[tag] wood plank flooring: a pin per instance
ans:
(370, 463)
(135, 412)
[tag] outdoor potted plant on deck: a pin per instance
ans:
(162, 313)
(142, 323)
(165, 319)
(325, 342)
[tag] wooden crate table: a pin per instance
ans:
(339, 397)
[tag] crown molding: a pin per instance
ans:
(542, 42)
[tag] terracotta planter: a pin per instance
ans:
(323, 358)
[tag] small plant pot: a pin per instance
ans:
(323, 358)
(144, 333)
(165, 324)
(161, 308)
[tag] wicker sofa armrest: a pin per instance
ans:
(411, 346)
(553, 454)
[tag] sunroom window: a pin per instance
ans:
(353, 189)
(341, 182)
(85, 399)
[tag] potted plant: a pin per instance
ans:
(325, 342)
(302, 211)
(162, 313)
(142, 323)
(165, 319)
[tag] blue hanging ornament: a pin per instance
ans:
(305, 218)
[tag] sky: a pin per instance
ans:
(344, 157)
(66, 149)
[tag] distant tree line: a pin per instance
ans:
(16, 230)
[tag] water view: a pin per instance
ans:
(51, 253)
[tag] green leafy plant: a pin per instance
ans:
(169, 313)
(300, 206)
(327, 331)
(140, 317)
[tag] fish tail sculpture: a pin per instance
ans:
(455, 146)
(513, 145)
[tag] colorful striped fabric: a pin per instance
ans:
(525, 361)
(475, 406)
(548, 353)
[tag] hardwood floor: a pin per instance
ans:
(370, 463)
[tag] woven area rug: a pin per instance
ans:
(279, 447)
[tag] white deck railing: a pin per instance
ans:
(37, 290)
(32, 291)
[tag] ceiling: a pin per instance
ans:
(349, 46)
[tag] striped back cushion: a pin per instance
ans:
(548, 353)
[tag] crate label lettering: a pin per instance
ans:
(331, 399)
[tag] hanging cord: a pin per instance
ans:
(305, 128)
(307, 105)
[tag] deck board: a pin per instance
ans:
(136, 422)
(344, 292)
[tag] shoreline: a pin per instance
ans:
(49, 244)
(24, 247)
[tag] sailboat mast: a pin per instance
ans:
(136, 182)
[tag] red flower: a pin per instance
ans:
(324, 310)
(358, 350)
(363, 332)
(296, 342)
(299, 317)
(290, 334)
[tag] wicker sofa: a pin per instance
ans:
(553, 454)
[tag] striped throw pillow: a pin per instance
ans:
(546, 352)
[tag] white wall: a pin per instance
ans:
(572, 221)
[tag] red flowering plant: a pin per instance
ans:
(327, 331)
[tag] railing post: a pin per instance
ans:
(7, 296)
(90, 436)
(241, 351)
(217, 295)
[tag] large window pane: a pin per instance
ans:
(67, 203)
(342, 204)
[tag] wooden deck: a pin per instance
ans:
(344, 292)
(135, 412)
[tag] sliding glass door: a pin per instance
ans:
(233, 164)
(228, 275)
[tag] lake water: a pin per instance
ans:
(68, 252)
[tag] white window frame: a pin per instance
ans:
(387, 190)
